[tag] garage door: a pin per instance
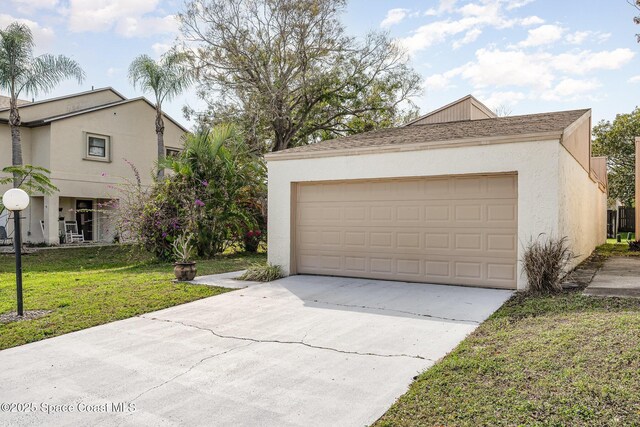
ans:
(452, 230)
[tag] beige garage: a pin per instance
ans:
(451, 198)
(454, 230)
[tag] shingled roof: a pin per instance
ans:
(513, 126)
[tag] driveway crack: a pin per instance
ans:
(255, 340)
(192, 367)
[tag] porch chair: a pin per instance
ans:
(71, 233)
(4, 237)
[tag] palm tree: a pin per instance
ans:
(22, 72)
(167, 79)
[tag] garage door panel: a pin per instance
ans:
(481, 272)
(492, 242)
(458, 230)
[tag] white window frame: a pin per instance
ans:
(107, 147)
(176, 150)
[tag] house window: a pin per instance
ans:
(98, 147)
(172, 152)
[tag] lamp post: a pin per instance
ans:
(17, 200)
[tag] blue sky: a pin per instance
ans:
(526, 56)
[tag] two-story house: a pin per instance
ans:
(85, 140)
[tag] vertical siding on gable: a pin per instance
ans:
(578, 142)
(456, 112)
(478, 114)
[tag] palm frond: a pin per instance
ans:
(166, 78)
(16, 53)
(46, 71)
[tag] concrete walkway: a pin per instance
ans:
(301, 351)
(225, 280)
(618, 277)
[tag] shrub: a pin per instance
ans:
(262, 273)
(214, 192)
(252, 240)
(634, 246)
(545, 262)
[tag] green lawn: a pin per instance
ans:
(562, 360)
(616, 249)
(90, 286)
(624, 236)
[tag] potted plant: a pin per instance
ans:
(184, 268)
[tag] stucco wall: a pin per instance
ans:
(535, 162)
(583, 208)
(131, 128)
(5, 145)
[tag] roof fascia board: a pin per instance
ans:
(466, 142)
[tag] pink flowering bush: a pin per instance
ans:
(252, 240)
(215, 191)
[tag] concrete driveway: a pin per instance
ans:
(303, 350)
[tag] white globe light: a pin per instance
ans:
(15, 199)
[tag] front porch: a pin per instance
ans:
(92, 222)
(44, 220)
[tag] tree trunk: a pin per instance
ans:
(16, 146)
(160, 135)
(281, 141)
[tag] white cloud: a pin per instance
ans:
(43, 36)
(579, 37)
(438, 82)
(445, 6)
(471, 18)
(469, 37)
(543, 35)
(112, 71)
(139, 27)
(30, 6)
(515, 4)
(540, 75)
(531, 20)
(506, 98)
(394, 17)
(499, 68)
(128, 18)
(161, 48)
(587, 61)
(569, 89)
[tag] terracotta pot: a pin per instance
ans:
(185, 271)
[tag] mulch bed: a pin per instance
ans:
(12, 316)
